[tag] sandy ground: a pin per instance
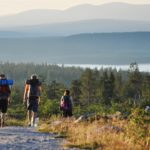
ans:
(20, 138)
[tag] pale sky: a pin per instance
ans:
(15, 6)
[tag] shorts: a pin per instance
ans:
(67, 113)
(33, 105)
(3, 105)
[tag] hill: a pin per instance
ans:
(117, 11)
(98, 48)
(86, 26)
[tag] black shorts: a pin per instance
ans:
(3, 105)
(67, 113)
(33, 105)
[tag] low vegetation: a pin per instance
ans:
(104, 132)
(15, 122)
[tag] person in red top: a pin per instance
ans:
(4, 98)
(32, 98)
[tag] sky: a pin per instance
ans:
(8, 7)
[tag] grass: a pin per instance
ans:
(102, 134)
(14, 122)
(16, 116)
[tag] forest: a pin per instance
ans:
(94, 90)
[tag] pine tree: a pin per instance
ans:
(88, 87)
(133, 87)
(135, 80)
(146, 87)
(75, 90)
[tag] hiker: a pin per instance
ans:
(4, 98)
(66, 104)
(32, 98)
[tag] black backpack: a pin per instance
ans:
(34, 88)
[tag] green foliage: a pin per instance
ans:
(116, 107)
(144, 103)
(138, 124)
(88, 86)
(93, 108)
(49, 108)
(75, 90)
(137, 116)
(47, 73)
(98, 91)
(54, 90)
(108, 89)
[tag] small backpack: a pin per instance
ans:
(65, 103)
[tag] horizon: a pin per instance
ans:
(8, 7)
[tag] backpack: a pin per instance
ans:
(34, 88)
(4, 90)
(65, 103)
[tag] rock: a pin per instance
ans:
(81, 118)
(86, 117)
(94, 116)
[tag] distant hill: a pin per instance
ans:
(86, 26)
(13, 34)
(98, 48)
(117, 11)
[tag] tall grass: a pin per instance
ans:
(104, 134)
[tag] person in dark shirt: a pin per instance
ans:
(32, 98)
(66, 104)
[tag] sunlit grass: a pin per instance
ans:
(14, 122)
(102, 134)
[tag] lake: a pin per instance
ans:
(142, 67)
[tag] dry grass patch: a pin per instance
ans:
(102, 134)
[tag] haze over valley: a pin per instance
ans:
(113, 33)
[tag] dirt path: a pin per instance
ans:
(20, 138)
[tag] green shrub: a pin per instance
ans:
(49, 108)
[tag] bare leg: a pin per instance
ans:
(34, 115)
(2, 119)
(29, 116)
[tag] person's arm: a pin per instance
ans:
(61, 100)
(40, 90)
(9, 95)
(25, 93)
(61, 103)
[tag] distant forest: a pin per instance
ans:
(91, 89)
(20, 72)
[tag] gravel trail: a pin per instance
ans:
(21, 138)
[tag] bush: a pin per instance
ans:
(49, 108)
